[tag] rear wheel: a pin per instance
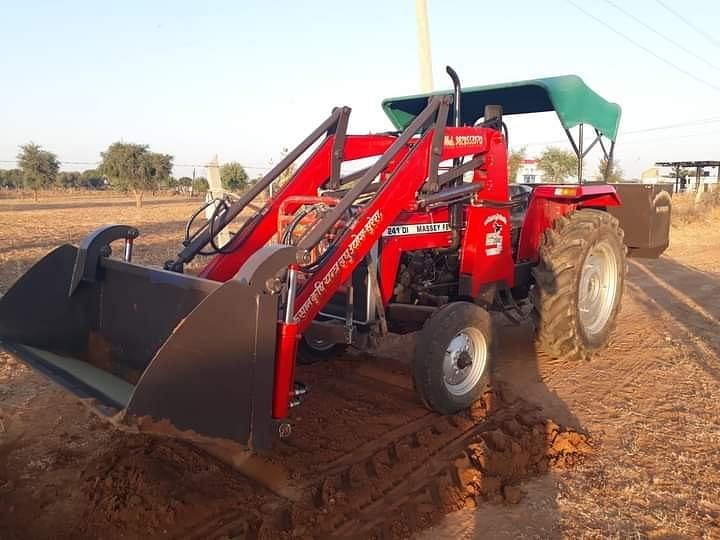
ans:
(452, 357)
(578, 284)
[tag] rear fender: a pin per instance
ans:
(548, 203)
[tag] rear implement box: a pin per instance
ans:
(644, 215)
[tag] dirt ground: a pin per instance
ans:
(649, 466)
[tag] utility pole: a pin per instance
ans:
(424, 56)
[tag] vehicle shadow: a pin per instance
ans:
(689, 298)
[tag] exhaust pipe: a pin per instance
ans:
(456, 213)
(457, 94)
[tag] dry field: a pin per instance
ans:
(650, 404)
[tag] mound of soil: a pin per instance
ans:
(143, 486)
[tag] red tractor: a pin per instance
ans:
(429, 237)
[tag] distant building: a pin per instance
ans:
(651, 176)
(528, 173)
(690, 175)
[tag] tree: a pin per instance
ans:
(233, 176)
(11, 178)
(557, 164)
(200, 185)
(69, 179)
(132, 167)
(615, 174)
(39, 167)
(92, 179)
(169, 182)
(515, 159)
(185, 181)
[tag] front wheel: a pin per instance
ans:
(579, 283)
(452, 357)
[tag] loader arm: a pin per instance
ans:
(313, 174)
(396, 192)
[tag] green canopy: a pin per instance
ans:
(573, 101)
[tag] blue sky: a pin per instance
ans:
(244, 79)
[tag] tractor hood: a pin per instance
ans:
(573, 101)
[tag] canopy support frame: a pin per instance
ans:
(581, 151)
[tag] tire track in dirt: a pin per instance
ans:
(406, 480)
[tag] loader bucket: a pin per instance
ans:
(644, 215)
(158, 345)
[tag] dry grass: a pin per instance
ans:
(30, 230)
(685, 210)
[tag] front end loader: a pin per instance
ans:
(430, 237)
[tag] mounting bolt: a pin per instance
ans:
(273, 285)
(284, 430)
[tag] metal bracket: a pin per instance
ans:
(436, 148)
(516, 312)
(377, 296)
(96, 245)
(338, 148)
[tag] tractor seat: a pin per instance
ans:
(520, 195)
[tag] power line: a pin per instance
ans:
(663, 36)
(62, 162)
(640, 46)
(693, 123)
(692, 25)
(674, 137)
(641, 141)
(700, 122)
(189, 165)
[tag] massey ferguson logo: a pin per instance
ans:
(416, 228)
(463, 140)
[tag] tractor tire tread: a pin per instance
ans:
(555, 313)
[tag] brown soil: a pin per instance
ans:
(365, 457)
